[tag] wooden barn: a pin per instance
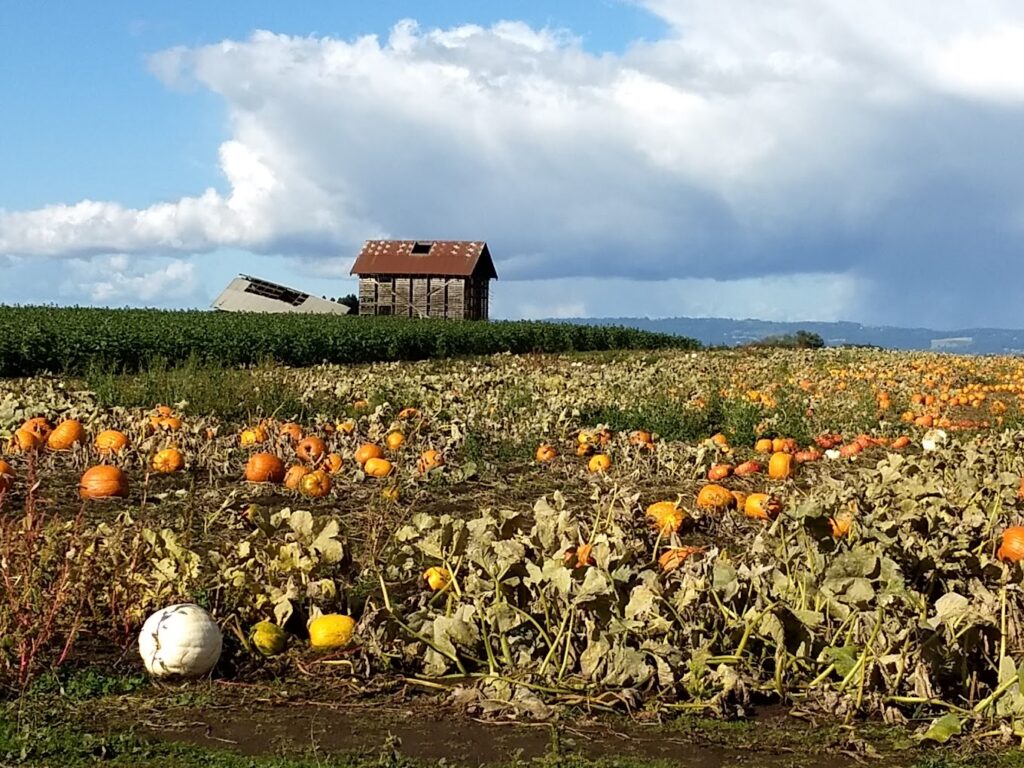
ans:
(424, 278)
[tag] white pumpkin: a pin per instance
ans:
(832, 453)
(933, 439)
(180, 641)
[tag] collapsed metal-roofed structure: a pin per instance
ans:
(251, 294)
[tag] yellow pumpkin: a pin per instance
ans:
(599, 462)
(6, 475)
(331, 631)
(715, 497)
(368, 451)
(665, 516)
(762, 506)
(437, 578)
(332, 463)
(394, 440)
(24, 441)
(252, 436)
(780, 466)
(168, 461)
(315, 485)
(346, 427)
(377, 467)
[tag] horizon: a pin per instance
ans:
(794, 163)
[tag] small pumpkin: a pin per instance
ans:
(780, 466)
(168, 423)
(579, 557)
(24, 441)
(802, 457)
(408, 413)
(762, 506)
(1011, 548)
(39, 426)
(65, 435)
(748, 468)
(741, 498)
(332, 463)
(641, 437)
(264, 468)
(665, 516)
(290, 432)
(268, 638)
(361, 405)
(900, 442)
(584, 449)
(764, 445)
(849, 450)
(840, 525)
(545, 453)
(311, 449)
(429, 459)
(252, 436)
(168, 461)
(378, 467)
(715, 497)
(315, 485)
(437, 578)
(110, 441)
(331, 631)
(599, 462)
(180, 641)
(294, 476)
(394, 440)
(346, 427)
(6, 475)
(719, 472)
(672, 558)
(720, 440)
(103, 482)
(368, 451)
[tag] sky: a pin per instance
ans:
(792, 160)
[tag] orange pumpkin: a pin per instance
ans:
(377, 467)
(719, 471)
(394, 440)
(764, 445)
(584, 449)
(291, 432)
(850, 449)
(640, 437)
(779, 445)
(368, 451)
(311, 449)
(164, 410)
(720, 440)
(762, 506)
(673, 558)
(315, 484)
(545, 453)
(40, 427)
(900, 442)
(346, 427)
(599, 462)
(840, 525)
(103, 482)
(264, 468)
(429, 459)
(65, 435)
(741, 498)
(801, 457)
(715, 497)
(408, 413)
(294, 476)
(748, 468)
(1011, 549)
(361, 405)
(780, 466)
(110, 441)
(665, 516)
(24, 441)
(6, 475)
(168, 461)
(332, 463)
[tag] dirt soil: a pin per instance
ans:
(330, 730)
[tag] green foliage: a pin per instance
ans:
(798, 340)
(71, 340)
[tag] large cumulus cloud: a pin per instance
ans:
(758, 153)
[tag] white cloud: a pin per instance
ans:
(756, 150)
(119, 280)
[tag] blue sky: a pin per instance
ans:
(795, 160)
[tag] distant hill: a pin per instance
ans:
(718, 331)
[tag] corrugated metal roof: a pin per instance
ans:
(424, 257)
(251, 294)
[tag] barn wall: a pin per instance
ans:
(453, 298)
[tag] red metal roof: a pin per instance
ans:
(442, 257)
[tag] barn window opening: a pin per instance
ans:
(276, 292)
(422, 247)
